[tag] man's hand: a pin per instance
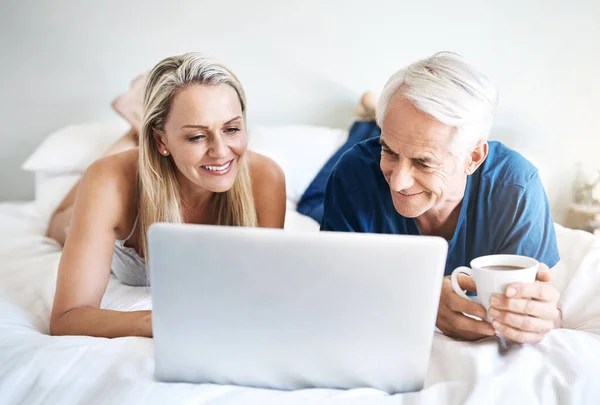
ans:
(451, 320)
(527, 311)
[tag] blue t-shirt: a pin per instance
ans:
(504, 210)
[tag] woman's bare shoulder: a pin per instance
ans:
(268, 188)
(264, 169)
(118, 170)
(111, 183)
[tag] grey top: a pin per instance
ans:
(127, 265)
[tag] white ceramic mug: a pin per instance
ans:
(492, 274)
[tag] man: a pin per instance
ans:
(311, 202)
(432, 172)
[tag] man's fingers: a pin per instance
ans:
(538, 309)
(544, 275)
(451, 319)
(459, 304)
(517, 335)
(457, 325)
(537, 291)
(467, 325)
(466, 283)
(522, 322)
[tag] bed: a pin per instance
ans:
(37, 368)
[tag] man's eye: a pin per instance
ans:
(422, 164)
(388, 152)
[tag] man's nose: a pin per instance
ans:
(402, 176)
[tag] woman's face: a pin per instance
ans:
(205, 134)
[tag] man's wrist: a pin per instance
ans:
(558, 320)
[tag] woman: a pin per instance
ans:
(192, 166)
(129, 105)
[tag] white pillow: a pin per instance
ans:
(51, 189)
(72, 149)
(300, 150)
(296, 222)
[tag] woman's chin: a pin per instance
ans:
(219, 184)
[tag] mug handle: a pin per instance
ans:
(454, 279)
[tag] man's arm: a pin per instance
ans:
(339, 214)
(531, 232)
(526, 312)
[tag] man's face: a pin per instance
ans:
(416, 159)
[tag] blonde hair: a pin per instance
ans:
(159, 198)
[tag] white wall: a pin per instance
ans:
(305, 62)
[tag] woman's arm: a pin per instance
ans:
(102, 203)
(268, 188)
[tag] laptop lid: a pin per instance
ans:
(278, 309)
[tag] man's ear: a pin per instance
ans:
(476, 157)
(161, 142)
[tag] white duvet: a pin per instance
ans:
(37, 368)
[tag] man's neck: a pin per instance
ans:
(442, 219)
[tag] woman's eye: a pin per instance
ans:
(232, 130)
(196, 138)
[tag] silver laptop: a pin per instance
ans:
(278, 309)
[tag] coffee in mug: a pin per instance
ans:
(502, 267)
(494, 273)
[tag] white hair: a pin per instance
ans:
(446, 87)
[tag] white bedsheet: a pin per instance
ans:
(37, 368)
